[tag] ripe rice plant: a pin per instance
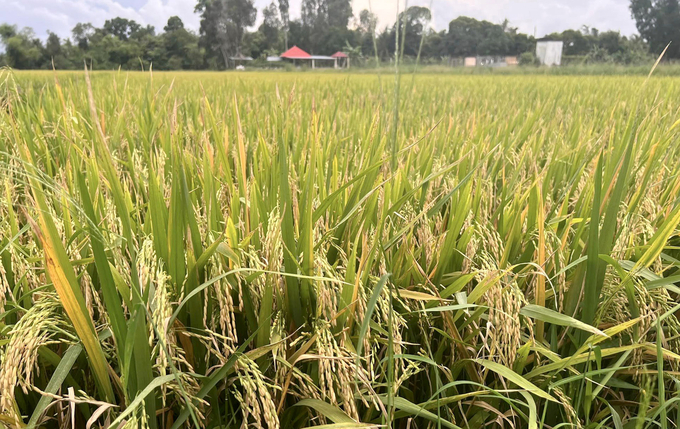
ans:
(276, 250)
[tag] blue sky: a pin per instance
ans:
(531, 16)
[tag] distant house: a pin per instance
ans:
(549, 53)
(296, 54)
(239, 61)
(490, 61)
(341, 59)
(511, 61)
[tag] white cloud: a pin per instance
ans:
(541, 16)
(60, 16)
(157, 12)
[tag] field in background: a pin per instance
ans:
(596, 69)
(573, 69)
(294, 250)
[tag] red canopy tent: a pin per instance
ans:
(296, 53)
(340, 56)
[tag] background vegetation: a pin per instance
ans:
(324, 27)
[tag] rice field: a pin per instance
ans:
(231, 250)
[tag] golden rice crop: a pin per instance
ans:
(280, 250)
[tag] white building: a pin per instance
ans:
(549, 53)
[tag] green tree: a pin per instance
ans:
(367, 22)
(412, 23)
(81, 33)
(414, 20)
(22, 49)
(223, 25)
(298, 34)
(575, 42)
(463, 36)
(174, 24)
(55, 53)
(366, 28)
(325, 23)
(339, 13)
(53, 45)
(271, 26)
(522, 43)
(434, 45)
(121, 28)
(314, 14)
(470, 37)
(658, 22)
(180, 48)
(284, 9)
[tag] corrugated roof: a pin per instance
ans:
(339, 55)
(295, 53)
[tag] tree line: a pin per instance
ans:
(324, 27)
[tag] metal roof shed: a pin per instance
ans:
(239, 59)
(296, 53)
(549, 53)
